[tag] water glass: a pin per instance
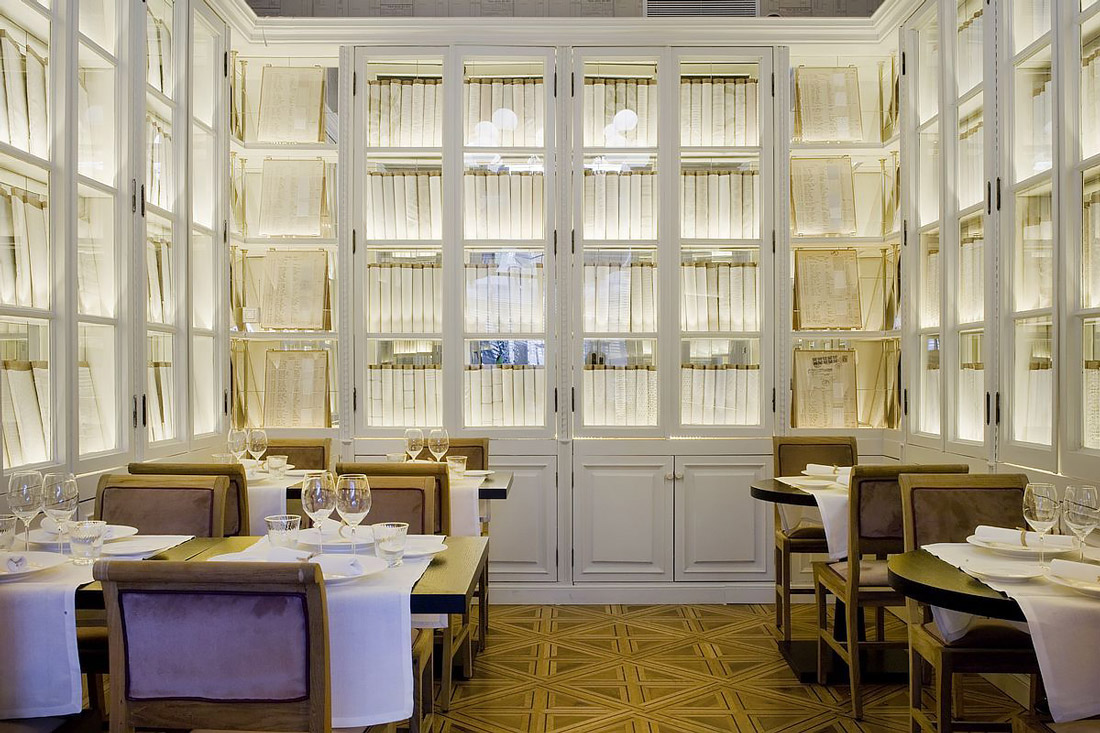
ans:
(60, 496)
(237, 443)
(257, 443)
(25, 499)
(8, 523)
(1041, 507)
(276, 464)
(414, 442)
(353, 501)
(318, 500)
(1081, 513)
(86, 540)
(456, 467)
(396, 457)
(439, 442)
(389, 541)
(224, 458)
(282, 529)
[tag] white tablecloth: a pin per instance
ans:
(832, 504)
(1065, 628)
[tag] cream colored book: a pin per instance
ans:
(38, 250)
(827, 104)
(481, 201)
(400, 205)
(613, 182)
(405, 302)
(636, 321)
(418, 306)
(291, 105)
(498, 395)
(294, 290)
(649, 298)
(420, 130)
(827, 289)
(711, 271)
(15, 91)
(737, 290)
(291, 198)
(154, 296)
(599, 223)
(723, 206)
(625, 209)
(96, 433)
(28, 414)
(751, 297)
(408, 120)
(412, 206)
(37, 104)
(688, 182)
(824, 389)
(13, 446)
(385, 298)
(503, 211)
(714, 214)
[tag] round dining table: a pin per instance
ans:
(925, 578)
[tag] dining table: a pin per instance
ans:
(925, 578)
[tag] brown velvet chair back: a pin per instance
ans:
(476, 451)
(164, 504)
(193, 645)
(947, 508)
(408, 499)
(236, 502)
(311, 454)
(792, 455)
(436, 471)
(875, 524)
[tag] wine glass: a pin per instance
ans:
(257, 443)
(25, 500)
(1041, 512)
(1081, 513)
(439, 443)
(60, 496)
(353, 501)
(238, 442)
(318, 501)
(414, 442)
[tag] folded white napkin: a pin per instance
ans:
(338, 565)
(820, 469)
(263, 551)
(465, 517)
(1075, 570)
(1012, 537)
(14, 563)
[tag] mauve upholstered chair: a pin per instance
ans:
(236, 507)
(193, 505)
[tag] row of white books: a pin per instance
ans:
(971, 153)
(405, 206)
(620, 205)
(620, 112)
(158, 52)
(620, 298)
(726, 394)
(404, 395)
(159, 404)
(968, 45)
(930, 395)
(719, 111)
(971, 401)
(1090, 99)
(718, 204)
(1035, 266)
(503, 112)
(971, 291)
(504, 395)
(503, 205)
(405, 113)
(24, 249)
(1033, 422)
(1091, 253)
(24, 122)
(930, 289)
(505, 299)
(96, 414)
(719, 296)
(1035, 126)
(158, 162)
(1091, 403)
(619, 396)
(160, 281)
(404, 298)
(25, 411)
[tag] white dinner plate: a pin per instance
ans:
(338, 569)
(830, 476)
(299, 471)
(137, 546)
(423, 546)
(310, 538)
(815, 483)
(36, 563)
(1081, 586)
(1003, 572)
(480, 473)
(1011, 550)
(114, 532)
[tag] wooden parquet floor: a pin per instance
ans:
(664, 669)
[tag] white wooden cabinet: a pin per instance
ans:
(524, 528)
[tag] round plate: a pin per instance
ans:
(135, 546)
(114, 532)
(36, 563)
(830, 476)
(816, 483)
(370, 566)
(1003, 572)
(426, 547)
(480, 473)
(1081, 586)
(1009, 550)
(310, 538)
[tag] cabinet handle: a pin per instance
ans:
(670, 477)
(679, 477)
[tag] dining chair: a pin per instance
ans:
(436, 471)
(409, 499)
(476, 451)
(947, 508)
(190, 505)
(791, 455)
(236, 508)
(306, 453)
(874, 529)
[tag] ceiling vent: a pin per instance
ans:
(691, 8)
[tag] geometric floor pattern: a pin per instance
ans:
(664, 669)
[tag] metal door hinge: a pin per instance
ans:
(572, 399)
(144, 412)
(987, 410)
(773, 83)
(773, 241)
(354, 399)
(135, 411)
(555, 84)
(572, 557)
(905, 233)
(555, 242)
(988, 197)
(225, 402)
(998, 408)
(905, 401)
(133, 195)
(572, 84)
(142, 199)
(572, 241)
(773, 399)
(555, 399)
(353, 244)
(903, 63)
(225, 232)
(225, 64)
(998, 193)
(354, 82)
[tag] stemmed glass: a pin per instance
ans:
(353, 502)
(1081, 513)
(25, 500)
(1041, 512)
(318, 501)
(439, 443)
(257, 443)
(60, 496)
(414, 442)
(238, 442)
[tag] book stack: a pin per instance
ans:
(504, 395)
(25, 411)
(930, 394)
(718, 111)
(971, 400)
(505, 299)
(405, 113)
(719, 204)
(158, 162)
(405, 395)
(160, 289)
(158, 53)
(1091, 394)
(503, 112)
(1035, 266)
(620, 205)
(96, 419)
(24, 249)
(1037, 132)
(404, 298)
(405, 205)
(24, 122)
(620, 112)
(619, 396)
(719, 296)
(620, 298)
(160, 404)
(971, 155)
(1091, 244)
(930, 283)
(503, 205)
(1035, 395)
(971, 295)
(720, 394)
(968, 44)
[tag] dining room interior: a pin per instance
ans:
(361, 378)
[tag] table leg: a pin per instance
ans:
(446, 678)
(467, 649)
(483, 610)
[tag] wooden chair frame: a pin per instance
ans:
(394, 468)
(482, 443)
(218, 485)
(275, 446)
(233, 471)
